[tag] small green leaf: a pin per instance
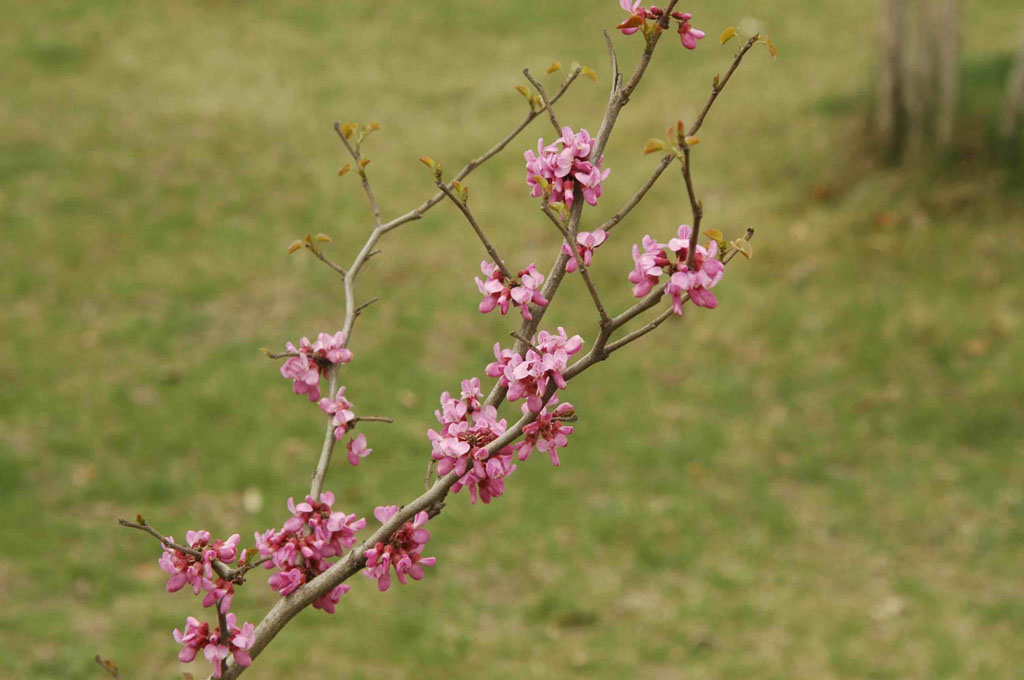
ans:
(728, 34)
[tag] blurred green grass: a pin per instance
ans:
(821, 479)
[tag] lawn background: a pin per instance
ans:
(820, 479)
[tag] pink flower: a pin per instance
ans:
(500, 292)
(528, 291)
(303, 548)
(222, 591)
(304, 375)
(649, 266)
(313, 360)
(587, 243)
(287, 582)
(328, 602)
(707, 272)
(637, 15)
(697, 283)
(402, 551)
(527, 376)
(197, 571)
(547, 433)
(216, 645)
(357, 449)
(494, 288)
(341, 409)
(687, 33)
(562, 164)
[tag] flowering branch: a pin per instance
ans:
(316, 550)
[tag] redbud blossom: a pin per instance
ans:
(302, 548)
(654, 261)
(587, 242)
(341, 409)
(527, 376)
(312, 362)
(500, 292)
(706, 273)
(358, 449)
(216, 645)
(563, 163)
(687, 33)
(197, 571)
(401, 551)
(548, 432)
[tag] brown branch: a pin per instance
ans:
(544, 100)
(372, 419)
(433, 499)
(476, 227)
(695, 206)
(223, 570)
(639, 195)
(360, 308)
(582, 268)
(323, 258)
(717, 89)
(418, 212)
(526, 342)
(354, 152)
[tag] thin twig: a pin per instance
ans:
(362, 173)
(695, 206)
(282, 355)
(327, 449)
(581, 267)
(525, 342)
(372, 419)
(716, 90)
(109, 666)
(610, 223)
(476, 227)
(323, 258)
(544, 100)
(223, 570)
(360, 308)
(418, 212)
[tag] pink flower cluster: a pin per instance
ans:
(313, 360)
(562, 164)
(343, 419)
(466, 430)
(527, 376)
(638, 16)
(586, 243)
(302, 548)
(198, 571)
(548, 432)
(653, 261)
(216, 645)
(499, 291)
(402, 551)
